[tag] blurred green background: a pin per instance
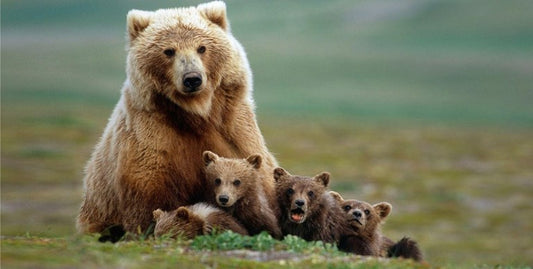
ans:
(424, 104)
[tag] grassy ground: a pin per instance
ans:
(424, 104)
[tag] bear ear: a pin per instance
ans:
(336, 196)
(279, 173)
(209, 157)
(383, 209)
(137, 21)
(157, 214)
(323, 178)
(255, 161)
(215, 12)
(182, 213)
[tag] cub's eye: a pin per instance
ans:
(347, 208)
(201, 49)
(218, 181)
(237, 182)
(367, 212)
(310, 193)
(169, 52)
(290, 191)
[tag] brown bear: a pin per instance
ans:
(197, 219)
(306, 208)
(365, 237)
(188, 89)
(239, 188)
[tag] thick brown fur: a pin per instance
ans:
(306, 208)
(365, 236)
(197, 219)
(239, 188)
(149, 155)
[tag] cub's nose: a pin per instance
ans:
(299, 202)
(192, 81)
(357, 214)
(223, 199)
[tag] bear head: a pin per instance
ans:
(183, 56)
(300, 197)
(181, 222)
(232, 179)
(363, 217)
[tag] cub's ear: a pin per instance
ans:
(137, 21)
(336, 196)
(215, 12)
(209, 157)
(255, 161)
(279, 173)
(322, 178)
(383, 209)
(182, 213)
(157, 214)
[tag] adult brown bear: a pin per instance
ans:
(188, 89)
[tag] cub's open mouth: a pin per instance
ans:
(358, 221)
(297, 215)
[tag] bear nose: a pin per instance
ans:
(299, 202)
(357, 214)
(223, 199)
(192, 80)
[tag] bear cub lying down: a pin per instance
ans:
(197, 219)
(365, 237)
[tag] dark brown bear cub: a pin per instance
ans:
(307, 209)
(239, 190)
(365, 237)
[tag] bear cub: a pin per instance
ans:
(193, 220)
(238, 189)
(365, 237)
(307, 210)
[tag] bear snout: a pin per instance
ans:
(357, 214)
(223, 199)
(192, 81)
(299, 202)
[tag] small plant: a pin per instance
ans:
(229, 240)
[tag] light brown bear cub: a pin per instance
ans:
(197, 219)
(365, 237)
(306, 208)
(239, 190)
(188, 89)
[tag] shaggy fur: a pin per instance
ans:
(306, 209)
(190, 221)
(239, 189)
(149, 155)
(365, 237)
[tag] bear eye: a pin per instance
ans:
(201, 49)
(367, 212)
(347, 208)
(169, 52)
(310, 193)
(290, 191)
(218, 181)
(237, 182)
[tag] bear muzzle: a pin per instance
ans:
(192, 82)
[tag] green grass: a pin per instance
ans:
(230, 251)
(424, 104)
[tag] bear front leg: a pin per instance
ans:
(138, 201)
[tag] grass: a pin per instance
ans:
(424, 104)
(236, 251)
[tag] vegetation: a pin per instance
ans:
(424, 104)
